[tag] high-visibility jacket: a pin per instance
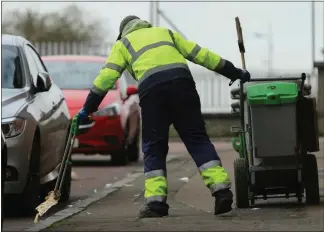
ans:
(152, 55)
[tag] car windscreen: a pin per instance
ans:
(11, 73)
(73, 74)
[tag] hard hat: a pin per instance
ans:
(124, 22)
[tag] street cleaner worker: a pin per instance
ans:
(156, 57)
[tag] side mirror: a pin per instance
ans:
(44, 82)
(131, 90)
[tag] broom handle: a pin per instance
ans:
(66, 164)
(63, 163)
(240, 41)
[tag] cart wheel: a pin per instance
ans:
(311, 180)
(241, 183)
(252, 200)
(299, 194)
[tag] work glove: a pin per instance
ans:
(243, 75)
(80, 116)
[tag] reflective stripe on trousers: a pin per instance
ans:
(214, 176)
(156, 186)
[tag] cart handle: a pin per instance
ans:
(303, 78)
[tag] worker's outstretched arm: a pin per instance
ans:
(204, 57)
(108, 75)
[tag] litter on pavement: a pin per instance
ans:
(184, 179)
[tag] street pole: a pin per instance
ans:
(152, 12)
(270, 50)
(157, 16)
(313, 32)
(269, 37)
(174, 27)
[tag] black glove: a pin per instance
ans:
(245, 76)
(242, 74)
(233, 73)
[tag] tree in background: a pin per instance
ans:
(70, 24)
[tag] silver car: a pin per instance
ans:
(35, 123)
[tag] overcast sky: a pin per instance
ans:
(211, 24)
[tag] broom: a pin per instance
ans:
(53, 196)
(240, 43)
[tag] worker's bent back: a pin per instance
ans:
(149, 51)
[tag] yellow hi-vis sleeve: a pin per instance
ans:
(114, 67)
(196, 54)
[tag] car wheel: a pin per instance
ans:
(133, 149)
(120, 157)
(25, 203)
(66, 186)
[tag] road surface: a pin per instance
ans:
(92, 172)
(95, 172)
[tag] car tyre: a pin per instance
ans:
(120, 157)
(66, 187)
(24, 204)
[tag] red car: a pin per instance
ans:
(115, 126)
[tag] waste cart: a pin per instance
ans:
(278, 130)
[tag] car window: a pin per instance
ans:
(11, 74)
(73, 74)
(36, 58)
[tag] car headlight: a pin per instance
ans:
(13, 127)
(110, 110)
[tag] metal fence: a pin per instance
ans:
(73, 48)
(212, 88)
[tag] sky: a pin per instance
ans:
(212, 25)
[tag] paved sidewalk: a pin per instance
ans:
(191, 208)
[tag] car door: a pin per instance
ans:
(54, 124)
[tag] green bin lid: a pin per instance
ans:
(273, 93)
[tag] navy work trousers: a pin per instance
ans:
(176, 102)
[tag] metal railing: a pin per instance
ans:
(73, 48)
(212, 88)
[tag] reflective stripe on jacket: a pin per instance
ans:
(145, 50)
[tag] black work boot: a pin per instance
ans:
(223, 201)
(154, 210)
